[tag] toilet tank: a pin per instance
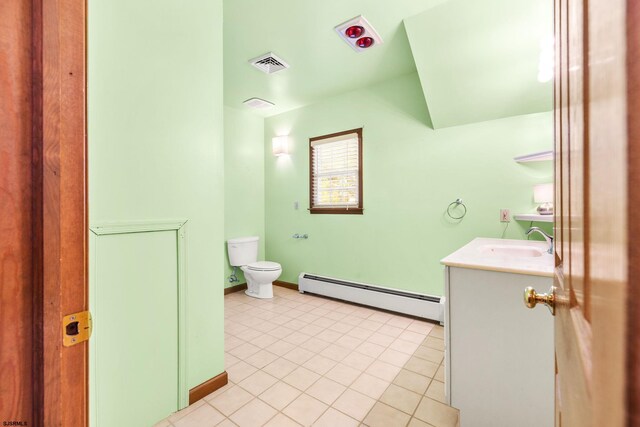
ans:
(243, 250)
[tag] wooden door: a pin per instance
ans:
(17, 252)
(42, 211)
(594, 206)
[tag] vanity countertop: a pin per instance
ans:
(504, 255)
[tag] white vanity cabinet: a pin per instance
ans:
(499, 354)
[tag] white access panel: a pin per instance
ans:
(499, 354)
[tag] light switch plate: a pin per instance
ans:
(295, 205)
(505, 215)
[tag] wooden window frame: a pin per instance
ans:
(359, 210)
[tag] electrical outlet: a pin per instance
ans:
(295, 205)
(505, 215)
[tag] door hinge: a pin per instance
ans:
(76, 328)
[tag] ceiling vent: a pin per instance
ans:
(359, 34)
(269, 63)
(258, 104)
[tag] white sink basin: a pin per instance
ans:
(511, 251)
(504, 255)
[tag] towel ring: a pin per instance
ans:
(458, 202)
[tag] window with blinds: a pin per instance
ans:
(336, 173)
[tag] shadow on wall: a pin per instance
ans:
(393, 95)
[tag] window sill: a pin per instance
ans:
(338, 211)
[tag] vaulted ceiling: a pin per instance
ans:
(301, 32)
(476, 60)
(482, 63)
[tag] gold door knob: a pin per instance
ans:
(532, 298)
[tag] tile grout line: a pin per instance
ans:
(412, 415)
(268, 314)
(364, 371)
(391, 317)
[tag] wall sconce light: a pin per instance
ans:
(543, 194)
(280, 145)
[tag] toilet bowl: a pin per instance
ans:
(243, 253)
(260, 276)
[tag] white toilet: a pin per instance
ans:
(243, 253)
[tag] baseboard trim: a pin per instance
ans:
(236, 288)
(208, 387)
(243, 286)
(287, 285)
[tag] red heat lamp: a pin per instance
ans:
(354, 31)
(364, 42)
(358, 34)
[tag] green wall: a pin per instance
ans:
(155, 131)
(411, 174)
(244, 181)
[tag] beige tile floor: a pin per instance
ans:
(300, 359)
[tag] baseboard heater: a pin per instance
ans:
(411, 303)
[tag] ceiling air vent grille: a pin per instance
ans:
(258, 104)
(269, 63)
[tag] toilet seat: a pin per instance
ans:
(264, 266)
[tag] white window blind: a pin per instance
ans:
(335, 172)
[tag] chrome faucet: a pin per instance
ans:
(548, 238)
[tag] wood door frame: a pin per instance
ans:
(60, 227)
(633, 177)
